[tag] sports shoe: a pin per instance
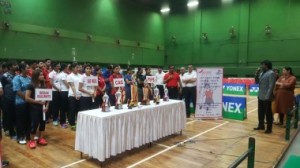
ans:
(73, 127)
(5, 163)
(22, 141)
(64, 125)
(55, 123)
(6, 133)
(36, 138)
(14, 137)
(42, 141)
(32, 144)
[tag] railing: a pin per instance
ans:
(289, 115)
(250, 153)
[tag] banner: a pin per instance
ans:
(43, 94)
(253, 90)
(91, 81)
(209, 93)
(234, 107)
(119, 82)
(150, 79)
(247, 81)
(236, 89)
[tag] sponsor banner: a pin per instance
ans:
(235, 89)
(246, 81)
(234, 107)
(209, 93)
(253, 90)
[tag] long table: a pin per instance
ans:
(104, 134)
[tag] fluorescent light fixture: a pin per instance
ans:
(165, 10)
(192, 3)
(227, 1)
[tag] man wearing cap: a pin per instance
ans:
(172, 81)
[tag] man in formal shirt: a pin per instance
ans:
(189, 81)
(172, 81)
(160, 81)
(182, 89)
(265, 96)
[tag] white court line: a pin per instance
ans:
(161, 145)
(252, 111)
(190, 122)
(251, 101)
(171, 147)
(82, 160)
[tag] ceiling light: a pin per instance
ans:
(165, 10)
(192, 3)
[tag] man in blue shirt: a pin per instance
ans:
(106, 76)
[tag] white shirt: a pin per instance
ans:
(54, 77)
(181, 78)
(160, 78)
(74, 78)
(63, 77)
(188, 75)
(0, 85)
(90, 89)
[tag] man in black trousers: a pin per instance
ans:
(265, 96)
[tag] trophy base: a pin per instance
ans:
(105, 109)
(145, 102)
(119, 106)
(166, 99)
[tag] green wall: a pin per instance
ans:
(240, 55)
(32, 24)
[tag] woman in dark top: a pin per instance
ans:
(36, 109)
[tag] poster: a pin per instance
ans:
(209, 93)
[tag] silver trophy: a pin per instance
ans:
(118, 96)
(166, 96)
(156, 96)
(105, 105)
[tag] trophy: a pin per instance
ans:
(105, 105)
(166, 96)
(146, 95)
(134, 94)
(118, 96)
(156, 96)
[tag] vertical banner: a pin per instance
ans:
(234, 107)
(209, 93)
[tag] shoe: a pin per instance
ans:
(268, 131)
(259, 128)
(36, 138)
(6, 133)
(55, 123)
(32, 144)
(42, 141)
(73, 127)
(14, 138)
(64, 126)
(22, 141)
(5, 163)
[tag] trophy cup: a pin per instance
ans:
(166, 96)
(105, 105)
(118, 96)
(156, 96)
(146, 95)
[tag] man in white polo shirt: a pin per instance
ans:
(189, 79)
(160, 81)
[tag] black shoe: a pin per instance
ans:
(259, 128)
(268, 131)
(5, 163)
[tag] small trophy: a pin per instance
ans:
(105, 105)
(118, 96)
(166, 96)
(156, 96)
(146, 95)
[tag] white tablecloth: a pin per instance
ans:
(104, 134)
